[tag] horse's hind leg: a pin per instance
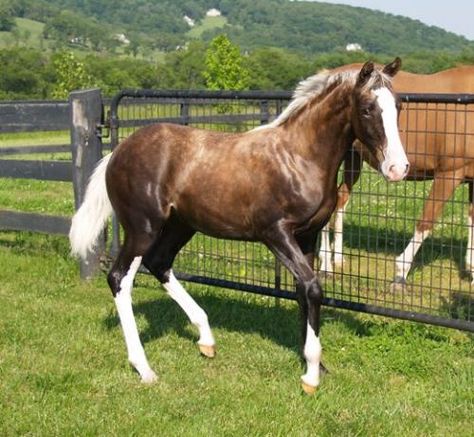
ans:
(352, 169)
(120, 280)
(470, 239)
(159, 260)
(443, 187)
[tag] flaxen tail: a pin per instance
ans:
(90, 218)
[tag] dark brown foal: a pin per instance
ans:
(275, 184)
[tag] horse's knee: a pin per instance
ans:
(114, 279)
(314, 291)
(310, 298)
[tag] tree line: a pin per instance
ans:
(307, 27)
(34, 74)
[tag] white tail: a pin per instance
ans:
(92, 215)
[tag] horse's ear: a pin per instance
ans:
(365, 73)
(392, 68)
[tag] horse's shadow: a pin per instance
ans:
(279, 323)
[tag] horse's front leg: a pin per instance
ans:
(284, 245)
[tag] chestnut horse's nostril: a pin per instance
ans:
(398, 172)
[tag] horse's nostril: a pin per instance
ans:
(407, 167)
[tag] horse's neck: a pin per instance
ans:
(323, 131)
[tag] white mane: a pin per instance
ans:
(313, 86)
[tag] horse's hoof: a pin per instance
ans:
(309, 389)
(149, 377)
(207, 351)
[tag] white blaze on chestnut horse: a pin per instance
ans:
(276, 184)
(443, 151)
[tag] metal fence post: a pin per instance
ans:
(184, 112)
(86, 120)
(264, 112)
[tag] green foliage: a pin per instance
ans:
(7, 19)
(224, 66)
(71, 75)
(68, 28)
(309, 27)
(184, 68)
(313, 27)
(271, 69)
(25, 74)
(282, 42)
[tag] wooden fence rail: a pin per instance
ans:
(83, 117)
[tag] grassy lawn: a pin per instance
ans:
(208, 23)
(30, 34)
(64, 371)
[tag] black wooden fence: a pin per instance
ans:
(83, 117)
(30, 117)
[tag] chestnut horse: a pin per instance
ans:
(442, 152)
(275, 184)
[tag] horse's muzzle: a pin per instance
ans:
(395, 171)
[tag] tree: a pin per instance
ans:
(224, 66)
(7, 19)
(70, 75)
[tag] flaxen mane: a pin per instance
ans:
(315, 86)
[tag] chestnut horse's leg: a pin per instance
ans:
(352, 169)
(443, 187)
(120, 280)
(159, 260)
(309, 293)
(470, 239)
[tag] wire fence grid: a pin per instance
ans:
(379, 220)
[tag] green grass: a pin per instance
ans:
(31, 195)
(208, 23)
(63, 368)
(30, 34)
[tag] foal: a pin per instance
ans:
(275, 184)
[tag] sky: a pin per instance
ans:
(453, 15)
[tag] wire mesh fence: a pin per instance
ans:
(387, 258)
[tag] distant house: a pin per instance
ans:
(354, 47)
(189, 21)
(213, 13)
(122, 38)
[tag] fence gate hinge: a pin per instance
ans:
(99, 130)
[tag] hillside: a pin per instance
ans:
(308, 27)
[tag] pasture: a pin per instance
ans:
(63, 362)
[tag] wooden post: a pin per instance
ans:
(86, 120)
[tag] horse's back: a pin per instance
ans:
(198, 173)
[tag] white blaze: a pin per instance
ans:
(395, 164)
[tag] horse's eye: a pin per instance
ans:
(366, 112)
